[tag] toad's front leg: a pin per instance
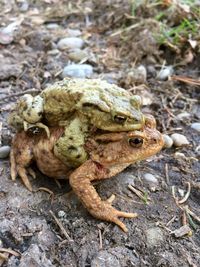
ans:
(80, 181)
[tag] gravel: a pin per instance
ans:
(164, 73)
(78, 71)
(70, 43)
(196, 126)
(168, 142)
(4, 152)
(179, 140)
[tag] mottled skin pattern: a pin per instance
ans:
(109, 154)
(78, 105)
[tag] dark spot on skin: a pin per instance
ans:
(43, 151)
(40, 113)
(71, 138)
(78, 156)
(28, 113)
(92, 106)
(71, 148)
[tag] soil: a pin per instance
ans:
(30, 234)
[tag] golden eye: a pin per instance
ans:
(135, 142)
(119, 119)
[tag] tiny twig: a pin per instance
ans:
(58, 183)
(133, 26)
(174, 195)
(184, 218)
(185, 80)
(46, 190)
(186, 195)
(100, 240)
(138, 193)
(10, 251)
(61, 227)
(171, 220)
(192, 214)
(167, 173)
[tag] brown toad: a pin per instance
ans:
(109, 154)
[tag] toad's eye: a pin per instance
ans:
(135, 142)
(34, 130)
(119, 119)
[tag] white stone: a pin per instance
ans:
(183, 115)
(61, 213)
(151, 179)
(196, 126)
(52, 26)
(179, 140)
(165, 73)
(70, 43)
(154, 236)
(168, 142)
(73, 32)
(78, 55)
(78, 71)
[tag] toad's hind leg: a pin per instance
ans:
(20, 158)
(80, 181)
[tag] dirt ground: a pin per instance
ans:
(118, 38)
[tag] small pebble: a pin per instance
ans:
(179, 155)
(137, 75)
(78, 55)
(154, 236)
(151, 71)
(181, 192)
(164, 73)
(183, 115)
(150, 178)
(5, 38)
(4, 152)
(183, 230)
(196, 126)
(23, 6)
(168, 142)
(179, 140)
(73, 32)
(152, 181)
(53, 52)
(61, 214)
(78, 71)
(52, 26)
(70, 43)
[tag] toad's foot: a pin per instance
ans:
(20, 159)
(23, 175)
(108, 213)
(80, 181)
